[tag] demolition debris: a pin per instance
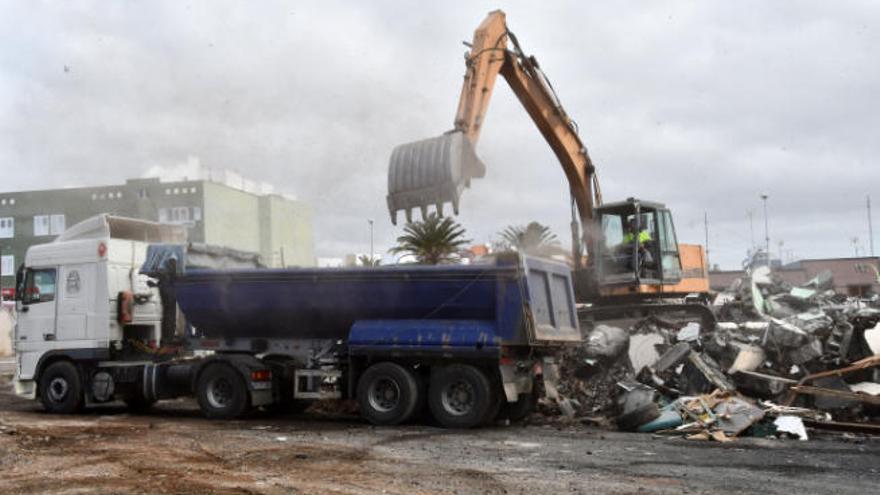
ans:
(780, 360)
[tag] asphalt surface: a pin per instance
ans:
(174, 450)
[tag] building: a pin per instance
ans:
(232, 212)
(852, 276)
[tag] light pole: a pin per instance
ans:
(766, 229)
(370, 221)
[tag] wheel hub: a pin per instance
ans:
(384, 395)
(219, 393)
(458, 398)
(58, 388)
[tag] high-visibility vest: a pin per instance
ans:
(644, 236)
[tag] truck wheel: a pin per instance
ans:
(222, 393)
(387, 394)
(460, 396)
(517, 411)
(61, 390)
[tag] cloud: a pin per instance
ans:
(700, 105)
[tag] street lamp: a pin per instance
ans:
(766, 229)
(370, 221)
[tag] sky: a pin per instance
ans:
(701, 105)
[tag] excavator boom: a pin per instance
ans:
(437, 170)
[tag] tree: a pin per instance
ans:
(533, 238)
(433, 240)
(367, 260)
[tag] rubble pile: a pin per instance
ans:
(778, 358)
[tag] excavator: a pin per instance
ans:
(614, 278)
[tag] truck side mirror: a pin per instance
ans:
(19, 282)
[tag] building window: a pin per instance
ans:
(41, 225)
(3, 202)
(192, 190)
(7, 264)
(94, 196)
(7, 228)
(142, 194)
(12, 201)
(57, 225)
(49, 224)
(180, 215)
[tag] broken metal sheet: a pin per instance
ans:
(822, 281)
(792, 425)
(785, 334)
(671, 358)
(710, 373)
(802, 293)
(758, 298)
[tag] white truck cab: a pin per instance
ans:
(76, 298)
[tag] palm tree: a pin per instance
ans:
(534, 238)
(433, 240)
(367, 260)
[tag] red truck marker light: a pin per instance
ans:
(261, 375)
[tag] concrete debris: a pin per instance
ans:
(606, 342)
(808, 348)
(689, 333)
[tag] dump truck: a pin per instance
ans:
(123, 309)
(612, 278)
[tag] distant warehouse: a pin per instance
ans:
(224, 210)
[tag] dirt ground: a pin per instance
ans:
(174, 450)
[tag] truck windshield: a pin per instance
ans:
(39, 286)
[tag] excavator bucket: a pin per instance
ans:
(431, 172)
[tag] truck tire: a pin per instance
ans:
(460, 396)
(222, 392)
(61, 389)
(387, 394)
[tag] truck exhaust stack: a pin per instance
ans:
(429, 172)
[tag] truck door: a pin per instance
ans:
(75, 301)
(36, 319)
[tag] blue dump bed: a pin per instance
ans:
(513, 301)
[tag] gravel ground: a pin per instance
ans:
(174, 450)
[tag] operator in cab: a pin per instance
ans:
(631, 235)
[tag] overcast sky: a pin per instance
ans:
(701, 105)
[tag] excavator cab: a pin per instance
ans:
(636, 246)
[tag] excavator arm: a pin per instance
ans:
(437, 170)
